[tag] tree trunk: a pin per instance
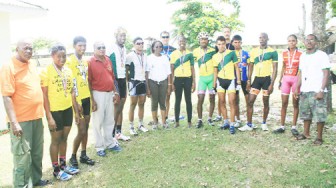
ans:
(318, 18)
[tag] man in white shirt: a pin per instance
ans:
(313, 79)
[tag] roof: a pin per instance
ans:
(19, 7)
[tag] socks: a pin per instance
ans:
(55, 167)
(140, 122)
(199, 119)
(118, 130)
(249, 124)
(132, 125)
(73, 156)
(294, 127)
(264, 122)
(282, 127)
(226, 121)
(83, 153)
(62, 162)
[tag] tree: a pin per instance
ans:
(319, 21)
(196, 16)
(42, 43)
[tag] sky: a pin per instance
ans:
(97, 20)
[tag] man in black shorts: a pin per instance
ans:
(118, 59)
(264, 64)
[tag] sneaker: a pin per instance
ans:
(63, 176)
(181, 117)
(86, 160)
(218, 119)
(165, 126)
(115, 148)
(210, 122)
(133, 131)
(254, 126)
(279, 131)
(73, 161)
(199, 124)
(226, 125)
(143, 128)
(120, 136)
(70, 170)
(232, 129)
(154, 126)
(246, 128)
(237, 124)
(101, 153)
(264, 127)
(295, 132)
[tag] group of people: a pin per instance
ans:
(94, 92)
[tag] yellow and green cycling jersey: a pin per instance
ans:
(262, 59)
(182, 62)
(225, 64)
(203, 59)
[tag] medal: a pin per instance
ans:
(122, 56)
(82, 69)
(140, 61)
(63, 77)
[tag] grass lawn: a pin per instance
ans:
(207, 157)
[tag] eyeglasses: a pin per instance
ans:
(158, 46)
(101, 48)
(165, 37)
(139, 43)
(309, 40)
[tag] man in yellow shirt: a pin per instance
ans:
(203, 55)
(264, 64)
(79, 68)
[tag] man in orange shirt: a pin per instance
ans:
(23, 101)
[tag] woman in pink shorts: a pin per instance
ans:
(288, 80)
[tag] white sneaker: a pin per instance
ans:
(245, 128)
(133, 131)
(264, 127)
(237, 124)
(154, 127)
(143, 128)
(254, 126)
(120, 136)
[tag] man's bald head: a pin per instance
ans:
(263, 39)
(99, 48)
(24, 50)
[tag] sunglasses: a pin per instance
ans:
(158, 46)
(101, 48)
(165, 37)
(139, 43)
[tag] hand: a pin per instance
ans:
(279, 85)
(80, 109)
(16, 129)
(238, 87)
(169, 90)
(94, 106)
(296, 95)
(77, 118)
(270, 89)
(52, 124)
(172, 88)
(192, 88)
(148, 93)
(215, 89)
(116, 99)
(319, 95)
(248, 86)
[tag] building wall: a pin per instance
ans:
(5, 54)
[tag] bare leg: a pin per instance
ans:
(212, 105)
(266, 107)
(284, 106)
(252, 99)
(133, 103)
(296, 110)
(200, 105)
(232, 102)
(141, 104)
(320, 126)
(306, 127)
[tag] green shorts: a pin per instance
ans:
(312, 109)
(205, 83)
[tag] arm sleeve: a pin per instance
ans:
(325, 63)
(114, 63)
(7, 81)
(192, 59)
(129, 59)
(234, 57)
(275, 56)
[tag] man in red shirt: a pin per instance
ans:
(104, 95)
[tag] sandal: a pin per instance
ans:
(301, 137)
(318, 142)
(86, 160)
(42, 183)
